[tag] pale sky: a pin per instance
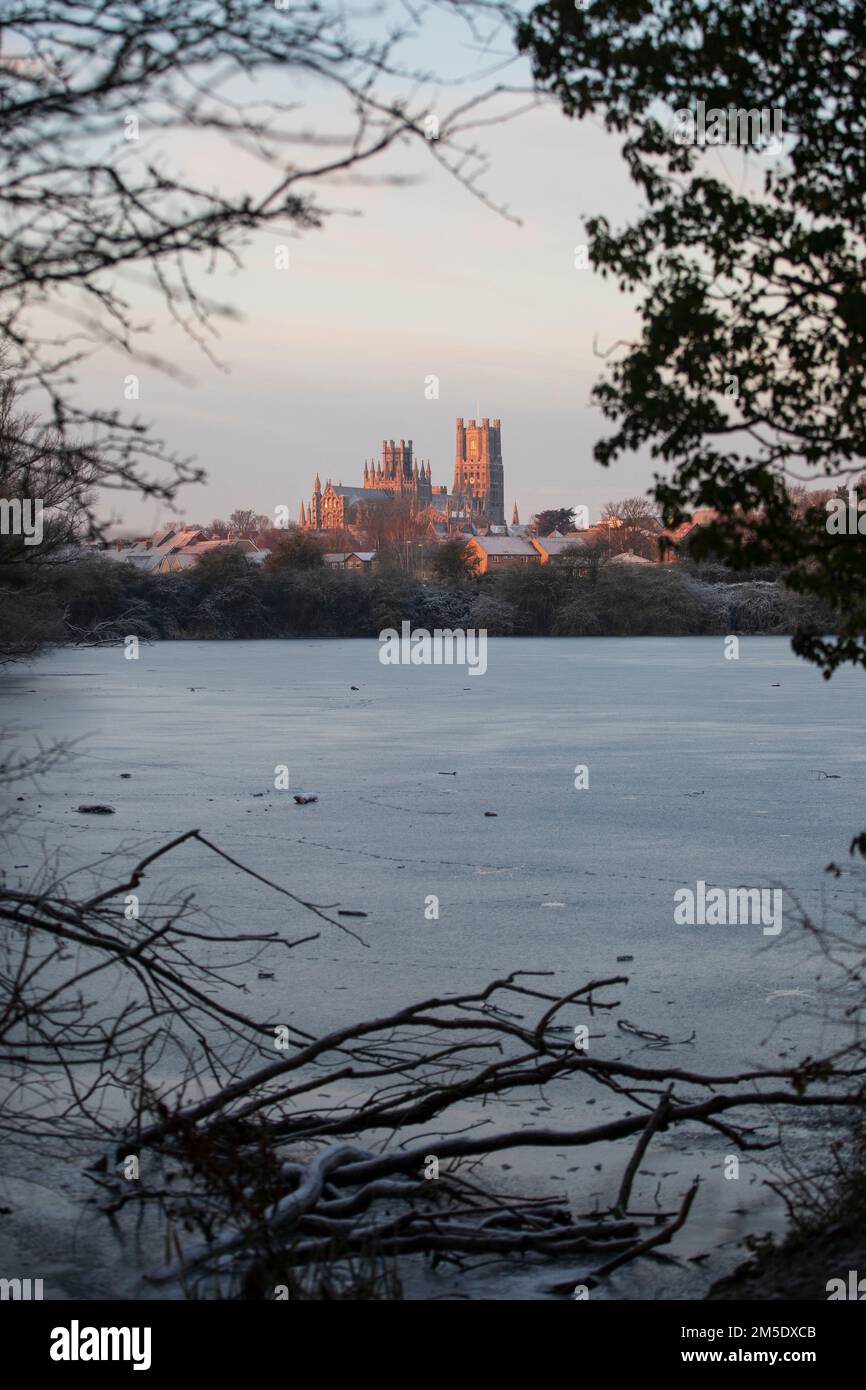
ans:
(330, 356)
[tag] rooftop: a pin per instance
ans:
(555, 545)
(504, 545)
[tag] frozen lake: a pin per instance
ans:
(699, 768)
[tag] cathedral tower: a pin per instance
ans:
(478, 460)
(397, 462)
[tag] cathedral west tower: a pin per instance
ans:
(478, 461)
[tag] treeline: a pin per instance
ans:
(226, 597)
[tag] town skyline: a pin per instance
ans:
(398, 457)
(329, 356)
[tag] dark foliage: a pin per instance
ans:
(748, 268)
(225, 596)
(554, 519)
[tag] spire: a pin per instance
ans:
(515, 519)
(302, 519)
(317, 486)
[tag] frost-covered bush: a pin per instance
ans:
(647, 600)
(444, 608)
(494, 614)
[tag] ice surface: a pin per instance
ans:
(698, 769)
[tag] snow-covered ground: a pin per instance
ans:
(699, 768)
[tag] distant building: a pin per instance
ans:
(364, 560)
(628, 557)
(501, 552)
(179, 547)
(475, 502)
(551, 547)
(681, 535)
(336, 507)
(478, 469)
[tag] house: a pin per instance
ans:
(363, 560)
(628, 557)
(175, 548)
(186, 556)
(680, 536)
(551, 547)
(494, 553)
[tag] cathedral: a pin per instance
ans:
(475, 503)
